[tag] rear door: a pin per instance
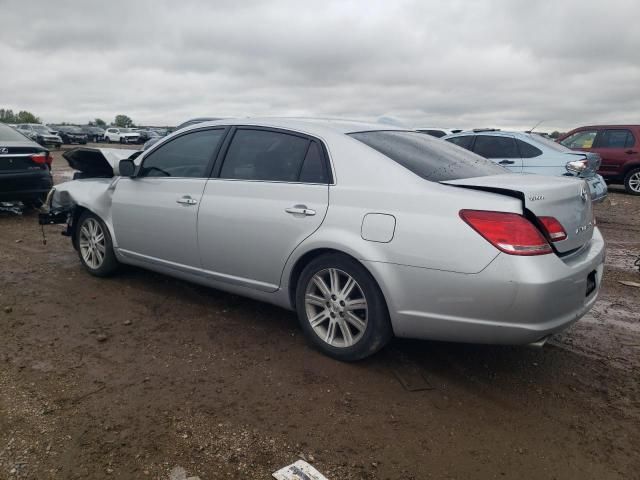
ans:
(155, 214)
(616, 146)
(271, 191)
(501, 149)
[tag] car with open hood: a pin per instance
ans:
(25, 168)
(365, 230)
(121, 135)
(526, 152)
(71, 134)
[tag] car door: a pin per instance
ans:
(270, 192)
(616, 146)
(155, 213)
(501, 149)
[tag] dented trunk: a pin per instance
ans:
(565, 199)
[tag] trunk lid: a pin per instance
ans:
(97, 162)
(563, 198)
(16, 159)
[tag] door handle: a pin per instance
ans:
(186, 200)
(630, 152)
(506, 162)
(300, 210)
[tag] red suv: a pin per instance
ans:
(617, 145)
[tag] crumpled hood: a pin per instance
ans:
(98, 162)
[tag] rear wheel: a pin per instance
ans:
(632, 181)
(341, 308)
(95, 247)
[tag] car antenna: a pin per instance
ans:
(535, 126)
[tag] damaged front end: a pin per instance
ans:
(91, 189)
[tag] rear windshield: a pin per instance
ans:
(550, 143)
(429, 157)
(8, 134)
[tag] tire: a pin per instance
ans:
(89, 228)
(367, 323)
(107, 139)
(122, 140)
(632, 181)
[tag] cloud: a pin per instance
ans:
(506, 63)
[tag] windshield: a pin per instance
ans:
(41, 129)
(549, 143)
(8, 134)
(429, 157)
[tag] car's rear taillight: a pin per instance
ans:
(554, 228)
(39, 158)
(509, 232)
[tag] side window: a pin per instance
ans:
(619, 138)
(464, 141)
(185, 156)
(583, 139)
(314, 168)
(527, 150)
(264, 155)
(493, 146)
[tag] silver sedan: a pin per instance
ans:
(366, 231)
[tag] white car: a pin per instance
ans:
(525, 152)
(121, 135)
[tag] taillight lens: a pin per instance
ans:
(509, 232)
(39, 158)
(554, 228)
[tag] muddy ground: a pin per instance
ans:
(135, 375)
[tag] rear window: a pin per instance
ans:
(428, 157)
(8, 134)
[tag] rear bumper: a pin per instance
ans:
(598, 188)
(24, 185)
(515, 300)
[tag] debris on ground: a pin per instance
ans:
(299, 470)
(629, 283)
(179, 473)
(11, 207)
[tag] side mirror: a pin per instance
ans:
(127, 168)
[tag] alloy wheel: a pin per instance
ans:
(92, 243)
(336, 307)
(634, 182)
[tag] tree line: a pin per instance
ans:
(23, 116)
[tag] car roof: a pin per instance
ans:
(606, 126)
(495, 133)
(316, 126)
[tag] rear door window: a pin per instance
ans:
(616, 138)
(494, 146)
(314, 168)
(428, 157)
(466, 141)
(527, 150)
(265, 155)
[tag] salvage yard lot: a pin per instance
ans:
(132, 376)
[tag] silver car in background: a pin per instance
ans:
(526, 152)
(366, 230)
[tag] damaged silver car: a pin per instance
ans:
(367, 231)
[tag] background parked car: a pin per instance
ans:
(147, 134)
(40, 134)
(617, 145)
(25, 168)
(437, 131)
(523, 152)
(94, 134)
(71, 134)
(121, 135)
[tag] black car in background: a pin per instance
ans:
(147, 134)
(40, 134)
(71, 134)
(94, 134)
(25, 168)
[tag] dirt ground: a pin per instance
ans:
(132, 376)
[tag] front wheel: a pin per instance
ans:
(341, 308)
(632, 181)
(95, 247)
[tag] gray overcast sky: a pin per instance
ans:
(506, 63)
